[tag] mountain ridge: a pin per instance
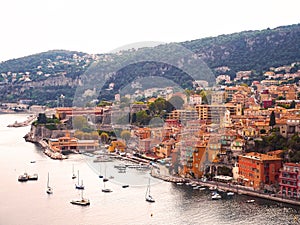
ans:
(256, 50)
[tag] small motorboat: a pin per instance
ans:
(33, 177)
(23, 177)
(215, 196)
(106, 190)
(230, 193)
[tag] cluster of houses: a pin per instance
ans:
(201, 137)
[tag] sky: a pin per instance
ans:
(98, 26)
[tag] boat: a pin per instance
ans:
(148, 196)
(49, 189)
(100, 176)
(125, 186)
(250, 201)
(83, 201)
(23, 177)
(79, 186)
(105, 190)
(213, 188)
(215, 196)
(33, 177)
(104, 178)
(230, 193)
(73, 176)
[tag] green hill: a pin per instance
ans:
(44, 77)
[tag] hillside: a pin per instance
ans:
(44, 77)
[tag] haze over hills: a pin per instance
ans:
(44, 77)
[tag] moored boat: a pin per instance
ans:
(215, 196)
(148, 196)
(23, 177)
(33, 177)
(83, 201)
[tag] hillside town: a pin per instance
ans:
(248, 135)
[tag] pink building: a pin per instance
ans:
(290, 180)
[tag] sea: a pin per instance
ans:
(27, 203)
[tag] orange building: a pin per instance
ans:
(192, 159)
(66, 112)
(67, 144)
(257, 170)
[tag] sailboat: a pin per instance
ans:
(148, 196)
(79, 186)
(104, 178)
(100, 176)
(73, 174)
(83, 201)
(49, 189)
(106, 190)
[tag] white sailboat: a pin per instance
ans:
(49, 189)
(148, 196)
(83, 201)
(106, 190)
(79, 186)
(100, 175)
(105, 179)
(73, 174)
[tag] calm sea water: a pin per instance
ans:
(28, 203)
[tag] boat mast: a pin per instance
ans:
(48, 181)
(78, 177)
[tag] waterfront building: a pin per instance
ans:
(257, 170)
(72, 144)
(290, 180)
(67, 112)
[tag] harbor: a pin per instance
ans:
(128, 188)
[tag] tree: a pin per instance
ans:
(292, 105)
(104, 137)
(42, 119)
(125, 134)
(272, 122)
(80, 122)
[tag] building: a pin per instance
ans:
(72, 144)
(258, 170)
(214, 113)
(195, 100)
(290, 180)
(67, 112)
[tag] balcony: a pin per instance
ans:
(288, 178)
(288, 185)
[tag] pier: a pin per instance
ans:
(25, 123)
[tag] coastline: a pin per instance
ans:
(226, 187)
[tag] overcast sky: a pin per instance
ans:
(96, 26)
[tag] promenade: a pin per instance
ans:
(238, 189)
